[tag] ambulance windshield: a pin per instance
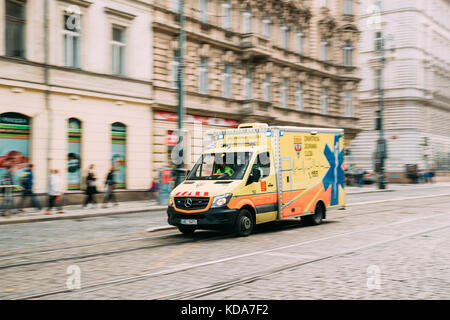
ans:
(221, 166)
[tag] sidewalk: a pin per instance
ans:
(76, 212)
(393, 187)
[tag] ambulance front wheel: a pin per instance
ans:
(186, 230)
(244, 223)
(316, 218)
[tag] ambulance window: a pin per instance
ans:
(263, 162)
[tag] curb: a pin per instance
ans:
(74, 216)
(397, 199)
(371, 191)
(155, 229)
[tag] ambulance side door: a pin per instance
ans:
(266, 204)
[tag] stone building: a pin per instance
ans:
(278, 62)
(93, 81)
(75, 89)
(416, 82)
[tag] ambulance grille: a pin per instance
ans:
(191, 203)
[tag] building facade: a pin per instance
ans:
(278, 62)
(75, 89)
(94, 81)
(416, 83)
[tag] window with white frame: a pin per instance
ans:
(348, 53)
(175, 67)
(379, 41)
(284, 36)
(247, 20)
(204, 11)
(300, 96)
(267, 27)
(203, 76)
(378, 79)
(71, 32)
(248, 84)
(348, 103)
(15, 29)
(227, 80)
(176, 6)
(300, 40)
(284, 93)
(324, 101)
(118, 50)
(267, 88)
(226, 9)
(324, 49)
(348, 6)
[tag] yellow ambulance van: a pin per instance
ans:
(259, 173)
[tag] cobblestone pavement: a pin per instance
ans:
(85, 227)
(383, 250)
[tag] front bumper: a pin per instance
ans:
(217, 218)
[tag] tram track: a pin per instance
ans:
(217, 287)
(223, 286)
(287, 224)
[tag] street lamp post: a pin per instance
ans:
(381, 142)
(180, 84)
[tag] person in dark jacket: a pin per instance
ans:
(109, 189)
(8, 198)
(91, 188)
(27, 185)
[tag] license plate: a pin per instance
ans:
(188, 221)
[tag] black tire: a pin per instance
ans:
(186, 230)
(316, 218)
(244, 224)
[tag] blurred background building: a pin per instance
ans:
(416, 83)
(278, 62)
(94, 82)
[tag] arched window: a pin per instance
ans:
(74, 135)
(14, 143)
(266, 26)
(284, 36)
(300, 40)
(247, 20)
(348, 53)
(324, 49)
(226, 15)
(118, 153)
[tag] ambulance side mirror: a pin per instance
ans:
(254, 176)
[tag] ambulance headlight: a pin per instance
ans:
(170, 201)
(221, 201)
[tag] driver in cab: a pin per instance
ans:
(223, 168)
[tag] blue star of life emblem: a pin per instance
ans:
(335, 174)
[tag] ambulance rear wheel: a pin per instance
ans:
(186, 230)
(316, 218)
(244, 223)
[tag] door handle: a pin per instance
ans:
(287, 179)
(270, 185)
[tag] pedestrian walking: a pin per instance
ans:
(109, 188)
(55, 192)
(8, 198)
(91, 188)
(153, 191)
(27, 182)
(360, 177)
